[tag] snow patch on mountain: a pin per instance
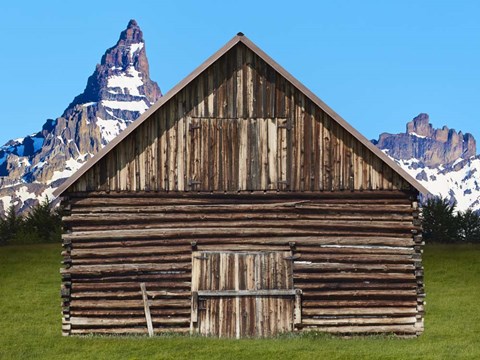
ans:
(135, 47)
(416, 135)
(71, 166)
(22, 195)
(5, 199)
(128, 82)
(139, 106)
(457, 184)
(110, 128)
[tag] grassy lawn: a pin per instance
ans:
(30, 320)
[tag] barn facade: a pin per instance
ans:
(241, 205)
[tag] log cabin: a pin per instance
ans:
(241, 205)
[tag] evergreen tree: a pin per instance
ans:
(44, 222)
(439, 221)
(10, 226)
(469, 226)
(3, 231)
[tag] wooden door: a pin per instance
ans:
(242, 294)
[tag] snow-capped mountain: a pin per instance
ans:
(117, 93)
(444, 161)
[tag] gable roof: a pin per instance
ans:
(239, 38)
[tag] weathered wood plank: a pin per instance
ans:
(92, 321)
(122, 268)
(146, 308)
(398, 329)
(344, 311)
(360, 321)
(127, 294)
(234, 293)
(129, 304)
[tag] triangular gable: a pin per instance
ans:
(270, 62)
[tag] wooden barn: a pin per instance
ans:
(241, 205)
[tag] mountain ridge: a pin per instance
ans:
(433, 147)
(442, 159)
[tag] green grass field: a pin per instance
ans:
(30, 320)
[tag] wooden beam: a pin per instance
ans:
(146, 306)
(272, 292)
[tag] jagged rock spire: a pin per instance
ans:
(117, 93)
(432, 147)
(123, 73)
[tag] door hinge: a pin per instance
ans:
(192, 182)
(286, 126)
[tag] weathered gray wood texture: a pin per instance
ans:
(242, 294)
(238, 126)
(356, 258)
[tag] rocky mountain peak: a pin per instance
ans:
(132, 33)
(116, 94)
(432, 147)
(123, 73)
(420, 125)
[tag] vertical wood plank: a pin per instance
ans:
(236, 315)
(240, 82)
(146, 154)
(262, 127)
(182, 141)
(254, 156)
(282, 154)
(269, 109)
(155, 138)
(243, 154)
(272, 153)
(230, 100)
(200, 108)
(327, 154)
(205, 154)
(235, 154)
(228, 155)
(290, 109)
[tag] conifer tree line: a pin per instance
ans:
(42, 224)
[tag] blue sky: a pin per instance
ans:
(377, 63)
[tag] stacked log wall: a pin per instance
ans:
(356, 256)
